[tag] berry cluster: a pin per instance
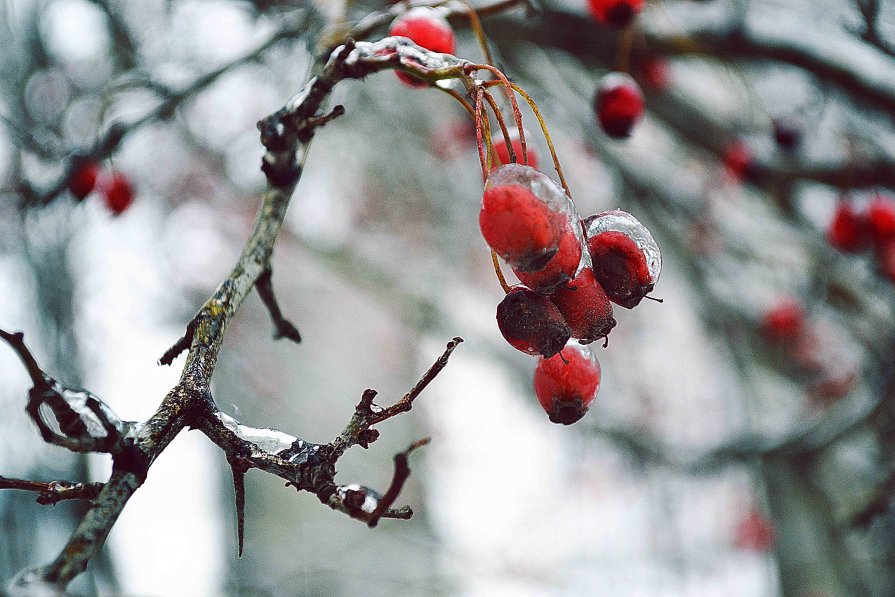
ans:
(116, 189)
(856, 230)
(571, 271)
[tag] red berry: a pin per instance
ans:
(881, 219)
(503, 154)
(83, 179)
(848, 230)
(784, 322)
(585, 307)
(654, 73)
(755, 533)
(523, 216)
(118, 193)
(626, 258)
(426, 28)
(885, 255)
(531, 323)
(561, 268)
(619, 104)
(617, 13)
(739, 161)
(567, 383)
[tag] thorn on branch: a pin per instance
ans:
(181, 345)
(239, 468)
(283, 328)
(402, 472)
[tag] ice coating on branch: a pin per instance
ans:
(277, 443)
(353, 493)
(626, 259)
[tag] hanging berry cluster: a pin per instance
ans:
(115, 187)
(855, 230)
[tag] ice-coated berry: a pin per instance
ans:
(426, 28)
(531, 323)
(561, 268)
(848, 229)
(585, 307)
(739, 161)
(881, 219)
(567, 383)
(503, 154)
(118, 193)
(619, 104)
(83, 179)
(784, 322)
(523, 216)
(617, 13)
(626, 259)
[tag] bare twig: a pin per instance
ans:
(54, 491)
(283, 328)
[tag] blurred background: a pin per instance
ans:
(720, 458)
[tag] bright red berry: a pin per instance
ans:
(881, 219)
(118, 193)
(617, 13)
(848, 230)
(523, 216)
(83, 179)
(784, 322)
(585, 307)
(531, 323)
(503, 154)
(619, 104)
(626, 258)
(567, 383)
(739, 161)
(561, 268)
(426, 28)
(755, 533)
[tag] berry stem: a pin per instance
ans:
(503, 128)
(457, 96)
(499, 272)
(623, 49)
(537, 113)
(483, 133)
(476, 25)
(517, 115)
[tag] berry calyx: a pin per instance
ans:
(567, 384)
(881, 219)
(118, 193)
(616, 13)
(848, 229)
(523, 216)
(784, 322)
(503, 154)
(561, 268)
(626, 259)
(619, 104)
(585, 307)
(83, 179)
(426, 28)
(739, 161)
(531, 323)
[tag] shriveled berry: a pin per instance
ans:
(566, 384)
(531, 323)
(755, 533)
(616, 13)
(585, 307)
(83, 179)
(118, 193)
(561, 268)
(626, 259)
(787, 134)
(784, 322)
(739, 161)
(523, 216)
(619, 104)
(503, 154)
(426, 28)
(881, 219)
(849, 229)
